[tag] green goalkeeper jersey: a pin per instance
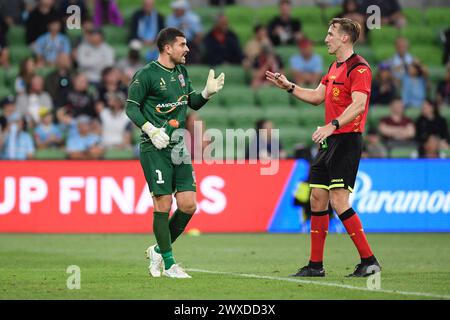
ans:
(161, 96)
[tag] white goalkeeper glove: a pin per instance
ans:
(213, 85)
(158, 136)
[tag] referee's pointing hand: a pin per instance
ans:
(278, 79)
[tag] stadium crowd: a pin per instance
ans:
(79, 106)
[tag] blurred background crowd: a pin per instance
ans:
(63, 91)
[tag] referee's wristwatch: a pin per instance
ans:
(335, 123)
(291, 89)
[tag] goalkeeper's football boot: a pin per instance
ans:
(175, 271)
(156, 261)
(366, 269)
(308, 271)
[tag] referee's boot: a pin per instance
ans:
(365, 269)
(308, 271)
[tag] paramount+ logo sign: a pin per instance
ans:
(367, 200)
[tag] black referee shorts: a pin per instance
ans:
(336, 164)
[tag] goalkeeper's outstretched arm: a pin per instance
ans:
(313, 96)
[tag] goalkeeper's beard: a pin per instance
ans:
(181, 60)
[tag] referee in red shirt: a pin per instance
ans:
(346, 92)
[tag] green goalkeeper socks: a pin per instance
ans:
(162, 235)
(168, 259)
(177, 224)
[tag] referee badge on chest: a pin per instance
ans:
(181, 78)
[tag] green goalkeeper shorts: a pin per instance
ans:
(163, 175)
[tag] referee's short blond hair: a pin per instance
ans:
(350, 27)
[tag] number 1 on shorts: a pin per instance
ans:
(160, 178)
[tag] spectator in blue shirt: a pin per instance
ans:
(146, 23)
(187, 21)
(48, 46)
(48, 134)
(145, 26)
(402, 58)
(17, 142)
(414, 85)
(306, 67)
(83, 143)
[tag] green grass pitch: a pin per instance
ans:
(234, 266)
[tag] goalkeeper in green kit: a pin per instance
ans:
(158, 97)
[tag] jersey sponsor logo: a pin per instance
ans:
(362, 70)
(181, 78)
(169, 107)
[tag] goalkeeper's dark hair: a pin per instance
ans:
(348, 26)
(168, 36)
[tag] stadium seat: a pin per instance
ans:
(245, 117)
(44, 71)
(414, 16)
(403, 152)
(413, 113)
(271, 97)
(234, 96)
(427, 54)
(282, 116)
(312, 116)
(383, 52)
(376, 112)
(446, 153)
(10, 75)
(116, 35)
(290, 136)
(118, 154)
(198, 75)
(19, 52)
(308, 14)
(244, 33)
(316, 32)
(208, 15)
(235, 74)
(74, 35)
(5, 91)
(120, 51)
(50, 154)
(445, 112)
(16, 35)
(214, 116)
(285, 53)
(383, 37)
(420, 35)
(436, 73)
(2, 77)
(437, 16)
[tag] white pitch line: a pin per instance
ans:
(327, 284)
